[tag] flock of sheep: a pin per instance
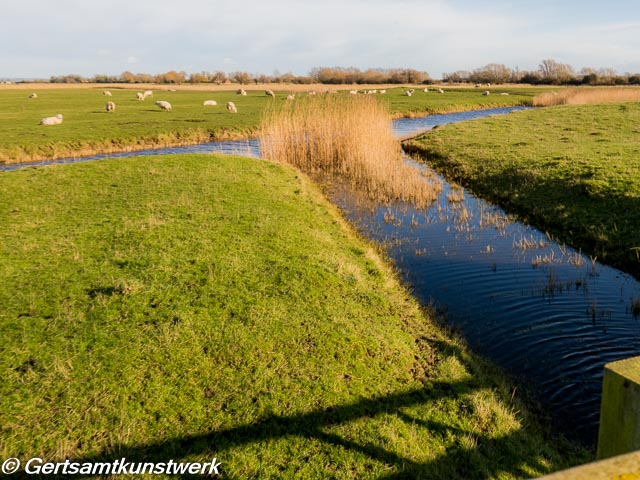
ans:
(231, 107)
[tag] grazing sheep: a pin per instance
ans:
(477, 85)
(33, 95)
(486, 92)
(232, 107)
(210, 103)
(426, 90)
(370, 92)
(241, 91)
(504, 93)
(440, 90)
(269, 93)
(408, 93)
(353, 92)
(148, 93)
(140, 96)
(111, 107)
(291, 96)
(312, 92)
(57, 120)
(164, 105)
(382, 92)
(106, 93)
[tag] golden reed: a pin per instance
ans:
(584, 95)
(348, 137)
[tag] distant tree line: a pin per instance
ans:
(549, 72)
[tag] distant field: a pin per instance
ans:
(88, 128)
(190, 307)
(572, 170)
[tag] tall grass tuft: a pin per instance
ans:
(584, 95)
(348, 138)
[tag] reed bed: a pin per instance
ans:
(585, 95)
(348, 139)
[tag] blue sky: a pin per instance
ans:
(54, 37)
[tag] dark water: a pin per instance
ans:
(546, 314)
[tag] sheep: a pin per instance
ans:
(426, 90)
(291, 96)
(111, 107)
(164, 105)
(504, 93)
(369, 92)
(312, 92)
(57, 120)
(408, 93)
(232, 107)
(140, 96)
(210, 103)
(241, 91)
(382, 92)
(486, 92)
(353, 92)
(269, 93)
(33, 95)
(148, 93)
(106, 93)
(440, 90)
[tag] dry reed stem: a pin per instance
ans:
(348, 137)
(585, 95)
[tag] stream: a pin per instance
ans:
(549, 316)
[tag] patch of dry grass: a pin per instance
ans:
(585, 95)
(349, 138)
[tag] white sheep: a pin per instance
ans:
(408, 93)
(486, 92)
(370, 92)
(148, 93)
(164, 105)
(241, 91)
(426, 90)
(353, 92)
(111, 107)
(291, 96)
(504, 93)
(210, 103)
(232, 107)
(312, 92)
(57, 120)
(440, 90)
(140, 96)
(33, 95)
(269, 93)
(382, 92)
(106, 93)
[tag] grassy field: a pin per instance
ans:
(88, 128)
(191, 307)
(572, 170)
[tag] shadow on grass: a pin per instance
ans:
(489, 457)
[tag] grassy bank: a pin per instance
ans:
(572, 170)
(191, 307)
(89, 129)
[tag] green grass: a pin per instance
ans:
(88, 128)
(572, 170)
(196, 306)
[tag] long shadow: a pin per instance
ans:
(488, 458)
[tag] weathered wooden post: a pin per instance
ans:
(620, 410)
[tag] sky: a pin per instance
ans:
(41, 38)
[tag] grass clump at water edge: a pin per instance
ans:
(349, 138)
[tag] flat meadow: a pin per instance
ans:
(88, 128)
(200, 306)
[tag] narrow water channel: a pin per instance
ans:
(546, 314)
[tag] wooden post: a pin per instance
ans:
(620, 410)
